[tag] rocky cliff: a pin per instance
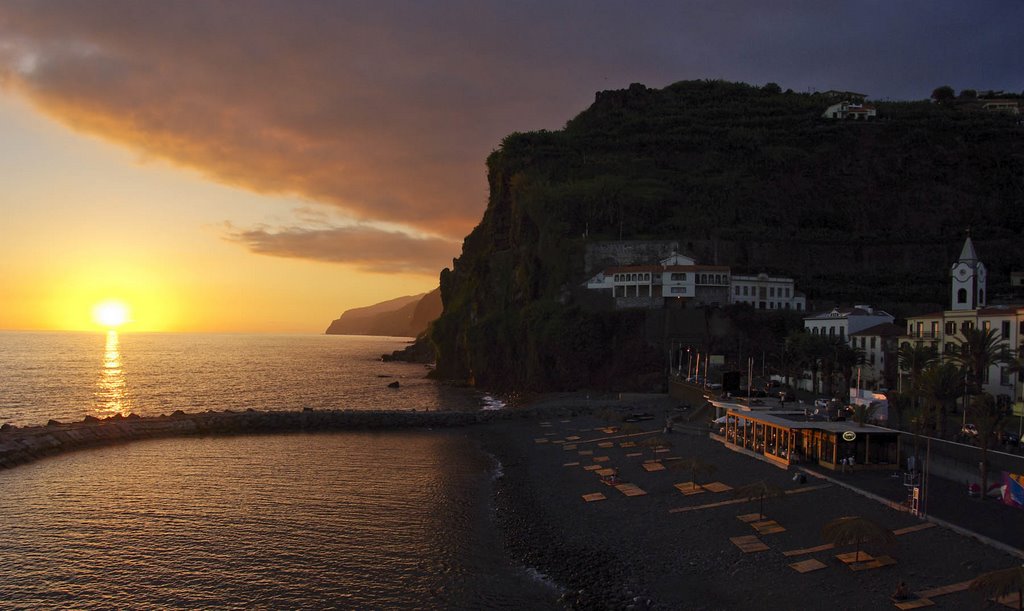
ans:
(749, 177)
(400, 317)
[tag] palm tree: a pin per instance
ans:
(996, 584)
(760, 490)
(978, 350)
(914, 359)
(847, 358)
(856, 530)
(941, 385)
(696, 466)
(987, 417)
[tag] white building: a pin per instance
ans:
(879, 345)
(850, 110)
(680, 278)
(766, 292)
(842, 322)
(969, 310)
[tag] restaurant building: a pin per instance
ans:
(794, 437)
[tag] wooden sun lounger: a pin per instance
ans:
(571, 464)
(627, 444)
(1010, 600)
(591, 467)
(809, 550)
(601, 459)
(630, 489)
(852, 557)
(585, 452)
(541, 440)
(748, 543)
(750, 517)
(606, 444)
(653, 466)
(634, 454)
(873, 564)
(768, 527)
(569, 446)
(606, 472)
(914, 528)
(943, 590)
(594, 496)
(806, 566)
(717, 487)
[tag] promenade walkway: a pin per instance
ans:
(947, 503)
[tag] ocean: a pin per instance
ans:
(67, 376)
(340, 520)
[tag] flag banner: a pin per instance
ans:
(1013, 489)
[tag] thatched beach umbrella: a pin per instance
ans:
(996, 584)
(655, 442)
(855, 530)
(695, 466)
(760, 490)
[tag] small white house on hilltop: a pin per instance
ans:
(850, 110)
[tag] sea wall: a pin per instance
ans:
(19, 445)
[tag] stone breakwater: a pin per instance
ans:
(20, 445)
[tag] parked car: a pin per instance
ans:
(1009, 439)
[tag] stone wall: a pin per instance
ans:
(19, 445)
(601, 255)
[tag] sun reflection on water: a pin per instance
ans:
(111, 389)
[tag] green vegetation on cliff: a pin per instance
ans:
(853, 210)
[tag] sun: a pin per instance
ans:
(110, 314)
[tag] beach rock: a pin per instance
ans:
(394, 384)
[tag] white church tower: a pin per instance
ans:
(968, 275)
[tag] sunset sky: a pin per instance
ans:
(263, 166)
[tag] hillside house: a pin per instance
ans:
(678, 281)
(850, 110)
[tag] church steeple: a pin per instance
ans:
(968, 279)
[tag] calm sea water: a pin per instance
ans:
(332, 520)
(67, 376)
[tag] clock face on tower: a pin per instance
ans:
(962, 273)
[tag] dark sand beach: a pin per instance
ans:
(670, 550)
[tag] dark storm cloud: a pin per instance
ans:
(367, 248)
(387, 110)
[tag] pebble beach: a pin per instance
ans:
(669, 547)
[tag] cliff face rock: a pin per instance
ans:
(745, 176)
(401, 317)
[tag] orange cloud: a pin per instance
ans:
(369, 249)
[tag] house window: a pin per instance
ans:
(831, 331)
(935, 328)
(987, 325)
(966, 326)
(920, 329)
(949, 348)
(1004, 376)
(737, 291)
(950, 328)
(771, 291)
(747, 288)
(871, 359)
(873, 342)
(981, 296)
(984, 378)
(961, 296)
(1005, 329)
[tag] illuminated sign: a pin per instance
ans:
(849, 436)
